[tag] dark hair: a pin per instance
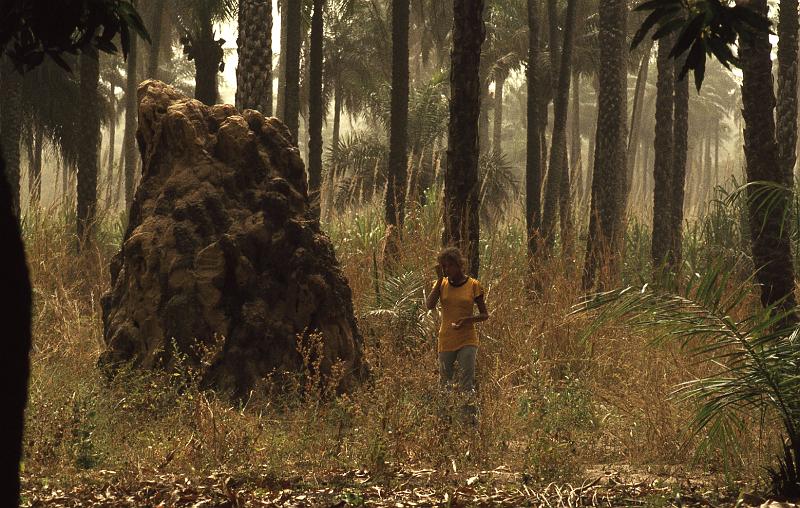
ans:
(452, 254)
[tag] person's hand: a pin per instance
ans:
(458, 324)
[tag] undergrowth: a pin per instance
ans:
(552, 403)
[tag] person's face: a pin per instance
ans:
(451, 269)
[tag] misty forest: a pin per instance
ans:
(400, 253)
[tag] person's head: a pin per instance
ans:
(452, 262)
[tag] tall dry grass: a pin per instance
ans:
(552, 402)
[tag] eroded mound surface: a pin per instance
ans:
(221, 242)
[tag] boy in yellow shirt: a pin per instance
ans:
(458, 340)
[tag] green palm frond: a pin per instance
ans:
(753, 362)
(401, 302)
(499, 186)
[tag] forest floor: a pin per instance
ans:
(395, 486)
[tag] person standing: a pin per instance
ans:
(458, 339)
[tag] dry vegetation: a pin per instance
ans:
(554, 405)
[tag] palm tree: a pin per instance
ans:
(398, 130)
(787, 89)
(254, 49)
(558, 156)
(315, 102)
(157, 29)
(130, 158)
(461, 175)
(680, 140)
(196, 19)
(772, 254)
(88, 153)
(291, 106)
(533, 164)
(608, 181)
(661, 251)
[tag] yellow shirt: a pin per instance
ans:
(457, 303)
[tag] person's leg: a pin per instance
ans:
(466, 362)
(446, 361)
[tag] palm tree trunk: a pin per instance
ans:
(254, 68)
(772, 253)
(661, 246)
(88, 156)
(315, 102)
(575, 155)
(558, 144)
(680, 139)
(129, 137)
(156, 35)
(294, 34)
(497, 141)
(636, 118)
(398, 130)
(786, 118)
(207, 54)
(35, 173)
(608, 182)
(533, 164)
(461, 198)
(281, 99)
(10, 124)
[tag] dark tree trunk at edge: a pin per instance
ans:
(461, 186)
(10, 124)
(680, 139)
(772, 254)
(786, 117)
(207, 53)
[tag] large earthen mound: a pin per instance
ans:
(221, 242)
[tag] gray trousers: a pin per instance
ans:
(466, 363)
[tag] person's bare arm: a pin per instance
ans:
(433, 297)
(482, 315)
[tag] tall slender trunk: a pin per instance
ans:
(281, 99)
(10, 125)
(716, 149)
(680, 139)
(315, 102)
(533, 164)
(131, 113)
(608, 183)
(558, 145)
(497, 138)
(254, 68)
(772, 253)
(636, 118)
(461, 176)
(112, 140)
(575, 155)
(398, 129)
(786, 113)
(294, 34)
(156, 36)
(207, 53)
(35, 173)
(89, 144)
(661, 247)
